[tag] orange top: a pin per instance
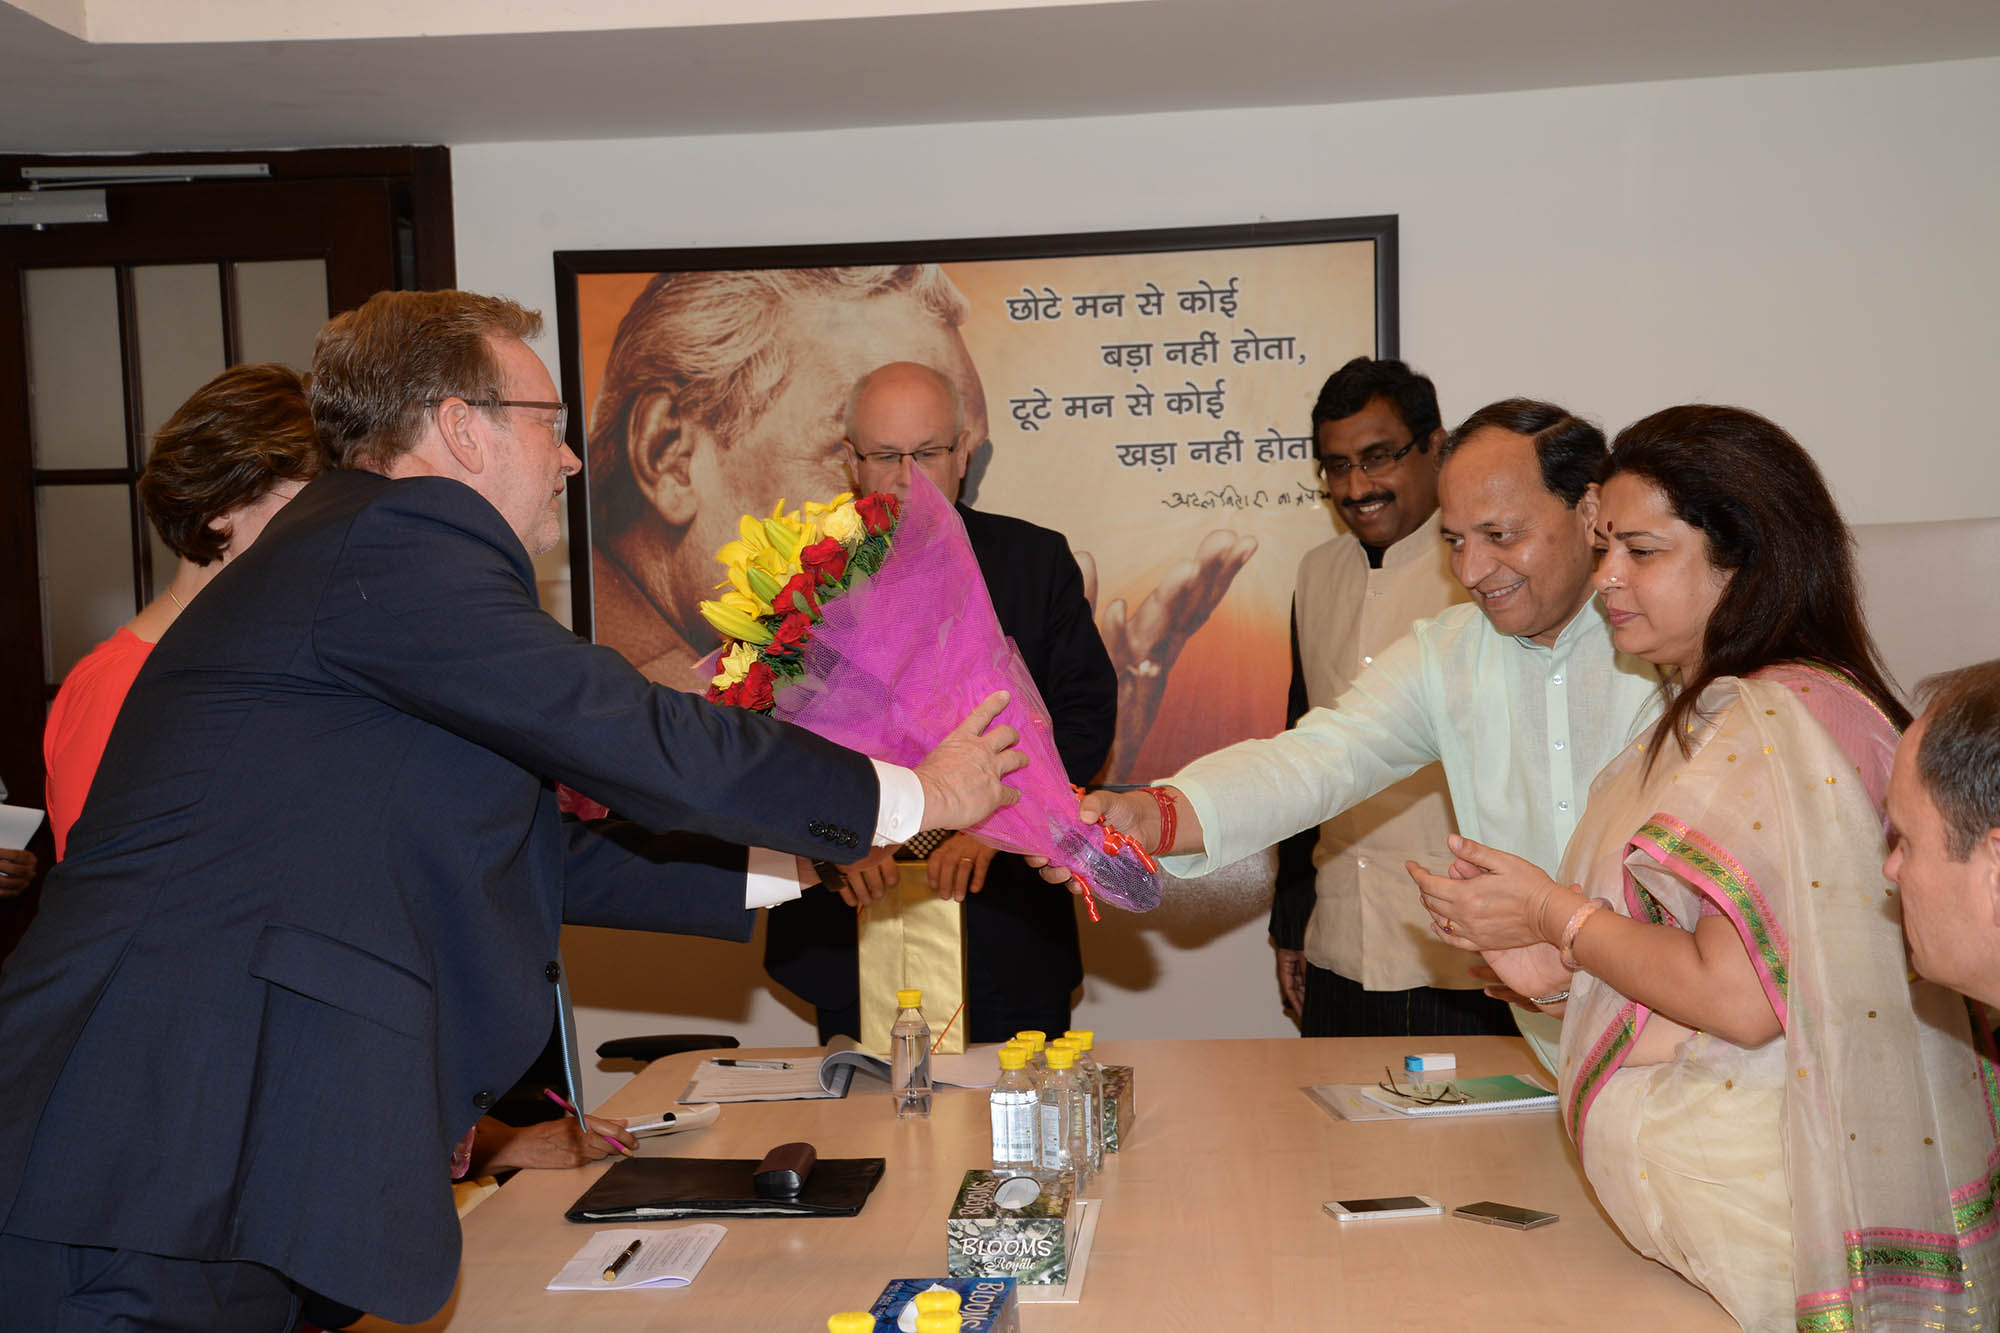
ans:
(80, 724)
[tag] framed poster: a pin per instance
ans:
(1146, 393)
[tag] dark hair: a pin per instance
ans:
(1759, 499)
(1570, 449)
(1363, 380)
(379, 367)
(239, 434)
(1959, 756)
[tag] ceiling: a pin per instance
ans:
(878, 62)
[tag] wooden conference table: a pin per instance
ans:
(1210, 1219)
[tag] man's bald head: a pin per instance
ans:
(905, 415)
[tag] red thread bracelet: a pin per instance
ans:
(1164, 799)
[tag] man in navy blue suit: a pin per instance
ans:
(1022, 955)
(308, 924)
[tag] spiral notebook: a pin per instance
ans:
(1500, 1093)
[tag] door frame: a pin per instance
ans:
(421, 254)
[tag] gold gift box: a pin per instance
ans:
(912, 938)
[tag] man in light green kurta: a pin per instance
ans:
(1518, 694)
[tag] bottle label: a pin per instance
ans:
(1013, 1132)
(1054, 1153)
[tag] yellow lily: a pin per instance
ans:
(735, 666)
(732, 623)
(762, 585)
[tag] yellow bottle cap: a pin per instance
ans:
(1083, 1037)
(1061, 1057)
(850, 1321)
(943, 1300)
(909, 999)
(1013, 1057)
(1036, 1040)
(941, 1321)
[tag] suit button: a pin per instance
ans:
(816, 828)
(553, 972)
(483, 1100)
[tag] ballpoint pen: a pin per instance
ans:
(561, 1101)
(755, 1064)
(617, 1266)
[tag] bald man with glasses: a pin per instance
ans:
(1022, 955)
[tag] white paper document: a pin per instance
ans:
(18, 824)
(665, 1258)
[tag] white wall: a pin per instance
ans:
(1820, 247)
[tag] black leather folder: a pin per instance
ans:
(646, 1189)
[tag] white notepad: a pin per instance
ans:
(665, 1259)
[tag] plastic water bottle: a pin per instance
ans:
(910, 1057)
(1057, 1110)
(1090, 1075)
(1034, 1039)
(1014, 1104)
(1079, 1115)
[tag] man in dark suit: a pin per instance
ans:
(308, 924)
(1022, 958)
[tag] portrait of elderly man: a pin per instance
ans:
(725, 391)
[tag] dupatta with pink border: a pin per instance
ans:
(1892, 1114)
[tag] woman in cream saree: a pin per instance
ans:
(1761, 1097)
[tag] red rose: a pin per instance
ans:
(878, 511)
(791, 635)
(755, 688)
(804, 586)
(826, 558)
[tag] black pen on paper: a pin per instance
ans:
(617, 1265)
(754, 1064)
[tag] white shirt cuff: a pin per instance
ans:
(900, 815)
(770, 878)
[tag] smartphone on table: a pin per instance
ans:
(1504, 1215)
(1369, 1210)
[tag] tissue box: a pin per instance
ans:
(1119, 1108)
(1010, 1226)
(985, 1304)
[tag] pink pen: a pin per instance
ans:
(558, 1099)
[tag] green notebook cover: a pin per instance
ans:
(1496, 1093)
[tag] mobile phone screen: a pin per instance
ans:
(1400, 1203)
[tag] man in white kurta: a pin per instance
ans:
(1354, 953)
(1519, 695)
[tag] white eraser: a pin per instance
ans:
(1430, 1062)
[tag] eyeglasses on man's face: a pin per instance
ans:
(1371, 461)
(560, 426)
(889, 458)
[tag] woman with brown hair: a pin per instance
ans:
(1761, 1097)
(228, 459)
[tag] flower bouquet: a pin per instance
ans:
(868, 623)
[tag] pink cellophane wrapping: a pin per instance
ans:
(904, 655)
